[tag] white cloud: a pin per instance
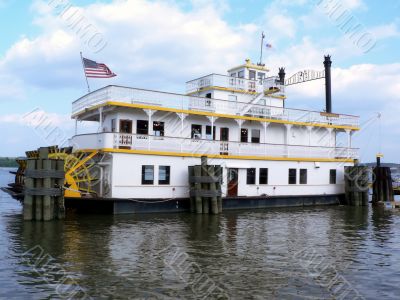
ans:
(38, 118)
(385, 31)
(149, 44)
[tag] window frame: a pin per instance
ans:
(291, 176)
(254, 73)
(114, 125)
(331, 177)
(144, 180)
(256, 140)
(193, 135)
(303, 176)
(140, 128)
(212, 132)
(261, 175)
(225, 130)
(251, 178)
(242, 140)
(162, 128)
(166, 181)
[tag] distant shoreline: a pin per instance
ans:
(8, 162)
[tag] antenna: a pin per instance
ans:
(262, 44)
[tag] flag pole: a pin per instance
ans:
(262, 46)
(87, 81)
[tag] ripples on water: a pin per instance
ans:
(263, 254)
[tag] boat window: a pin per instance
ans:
(233, 74)
(147, 174)
(332, 176)
(209, 135)
(224, 134)
(241, 74)
(244, 135)
(251, 176)
(261, 76)
(292, 176)
(196, 131)
(263, 176)
(164, 174)
(142, 127)
(208, 95)
(125, 126)
(303, 176)
(113, 125)
(255, 135)
(252, 75)
(158, 128)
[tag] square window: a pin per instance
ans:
(251, 176)
(147, 174)
(158, 128)
(164, 174)
(263, 176)
(196, 132)
(142, 127)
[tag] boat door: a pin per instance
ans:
(233, 182)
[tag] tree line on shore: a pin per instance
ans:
(8, 162)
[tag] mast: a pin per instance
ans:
(262, 44)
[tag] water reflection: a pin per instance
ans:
(249, 255)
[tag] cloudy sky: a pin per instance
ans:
(162, 44)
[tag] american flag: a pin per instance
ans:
(268, 45)
(96, 70)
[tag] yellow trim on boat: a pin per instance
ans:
(246, 157)
(219, 115)
(250, 65)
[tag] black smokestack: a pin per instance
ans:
(328, 87)
(282, 75)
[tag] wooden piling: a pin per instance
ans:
(39, 198)
(218, 174)
(28, 198)
(382, 186)
(197, 189)
(44, 181)
(48, 212)
(59, 183)
(205, 188)
(356, 185)
(191, 188)
(213, 188)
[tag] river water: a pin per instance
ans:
(313, 253)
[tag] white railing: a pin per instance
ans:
(178, 101)
(199, 146)
(222, 81)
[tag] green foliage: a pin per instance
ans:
(8, 162)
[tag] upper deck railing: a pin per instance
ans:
(234, 83)
(193, 103)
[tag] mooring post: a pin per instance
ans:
(197, 189)
(382, 186)
(213, 189)
(28, 198)
(59, 202)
